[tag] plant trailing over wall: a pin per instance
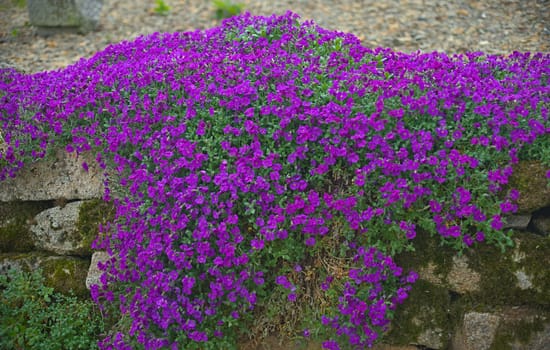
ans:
(241, 156)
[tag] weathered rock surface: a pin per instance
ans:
(517, 328)
(94, 273)
(15, 221)
(423, 318)
(518, 275)
(61, 177)
(529, 178)
(462, 279)
(53, 16)
(477, 331)
(541, 221)
(62, 273)
(518, 222)
(55, 231)
(523, 328)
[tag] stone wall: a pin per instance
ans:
(49, 216)
(483, 299)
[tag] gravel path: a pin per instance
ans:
(492, 26)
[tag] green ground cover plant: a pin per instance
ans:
(266, 160)
(227, 8)
(33, 316)
(161, 8)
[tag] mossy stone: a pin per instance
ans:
(423, 318)
(91, 214)
(15, 221)
(428, 251)
(529, 178)
(518, 332)
(499, 280)
(62, 273)
(66, 274)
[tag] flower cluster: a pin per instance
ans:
(363, 307)
(226, 149)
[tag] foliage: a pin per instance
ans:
(226, 8)
(32, 316)
(19, 3)
(237, 153)
(162, 8)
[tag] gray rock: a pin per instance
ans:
(523, 328)
(15, 221)
(541, 222)
(431, 338)
(55, 230)
(423, 319)
(529, 178)
(462, 279)
(477, 331)
(519, 222)
(53, 16)
(538, 341)
(524, 280)
(94, 273)
(58, 177)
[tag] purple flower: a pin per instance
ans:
(257, 244)
(496, 222)
(283, 281)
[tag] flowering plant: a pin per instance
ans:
(232, 153)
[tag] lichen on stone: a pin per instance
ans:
(66, 275)
(91, 214)
(529, 178)
(423, 318)
(15, 221)
(519, 328)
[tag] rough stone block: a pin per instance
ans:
(477, 332)
(59, 177)
(55, 231)
(462, 279)
(515, 328)
(94, 273)
(423, 319)
(518, 222)
(15, 222)
(529, 178)
(541, 221)
(51, 16)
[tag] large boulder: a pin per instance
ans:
(53, 16)
(59, 177)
